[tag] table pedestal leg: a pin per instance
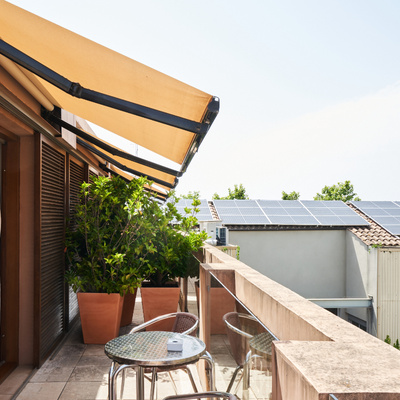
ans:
(139, 383)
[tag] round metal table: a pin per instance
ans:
(149, 349)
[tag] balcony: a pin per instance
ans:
(318, 356)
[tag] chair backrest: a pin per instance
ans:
(240, 328)
(186, 323)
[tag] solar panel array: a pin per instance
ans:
(287, 212)
(203, 215)
(385, 213)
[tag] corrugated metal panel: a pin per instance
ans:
(388, 301)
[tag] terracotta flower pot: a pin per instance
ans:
(128, 308)
(157, 301)
(100, 316)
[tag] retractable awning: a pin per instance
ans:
(106, 88)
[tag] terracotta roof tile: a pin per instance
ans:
(374, 234)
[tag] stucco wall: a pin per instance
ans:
(311, 263)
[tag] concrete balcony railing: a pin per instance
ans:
(318, 354)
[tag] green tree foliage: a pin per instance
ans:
(342, 191)
(290, 196)
(238, 192)
(191, 195)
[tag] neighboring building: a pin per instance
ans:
(48, 150)
(329, 262)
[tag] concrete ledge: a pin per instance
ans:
(318, 352)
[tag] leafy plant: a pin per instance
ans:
(175, 240)
(108, 247)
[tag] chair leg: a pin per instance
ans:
(173, 382)
(238, 368)
(187, 370)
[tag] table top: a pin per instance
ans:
(261, 343)
(149, 349)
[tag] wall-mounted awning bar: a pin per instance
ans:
(110, 149)
(158, 195)
(123, 167)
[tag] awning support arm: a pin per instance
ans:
(123, 167)
(76, 90)
(109, 149)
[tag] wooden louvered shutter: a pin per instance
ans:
(76, 177)
(52, 223)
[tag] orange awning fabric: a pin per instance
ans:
(108, 89)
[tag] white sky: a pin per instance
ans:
(309, 90)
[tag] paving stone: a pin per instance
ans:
(42, 391)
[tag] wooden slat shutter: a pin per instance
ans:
(52, 284)
(76, 177)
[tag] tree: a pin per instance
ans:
(191, 195)
(290, 196)
(239, 192)
(342, 191)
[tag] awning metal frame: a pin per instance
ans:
(124, 167)
(76, 90)
(109, 149)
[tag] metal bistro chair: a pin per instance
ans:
(185, 323)
(240, 328)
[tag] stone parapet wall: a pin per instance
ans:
(318, 352)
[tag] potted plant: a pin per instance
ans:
(107, 249)
(175, 240)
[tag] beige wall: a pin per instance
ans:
(311, 263)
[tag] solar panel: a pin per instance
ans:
(329, 220)
(394, 229)
(385, 213)
(256, 220)
(305, 220)
(287, 212)
(204, 213)
(320, 211)
(281, 219)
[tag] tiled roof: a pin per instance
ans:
(374, 234)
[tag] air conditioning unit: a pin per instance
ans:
(221, 236)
